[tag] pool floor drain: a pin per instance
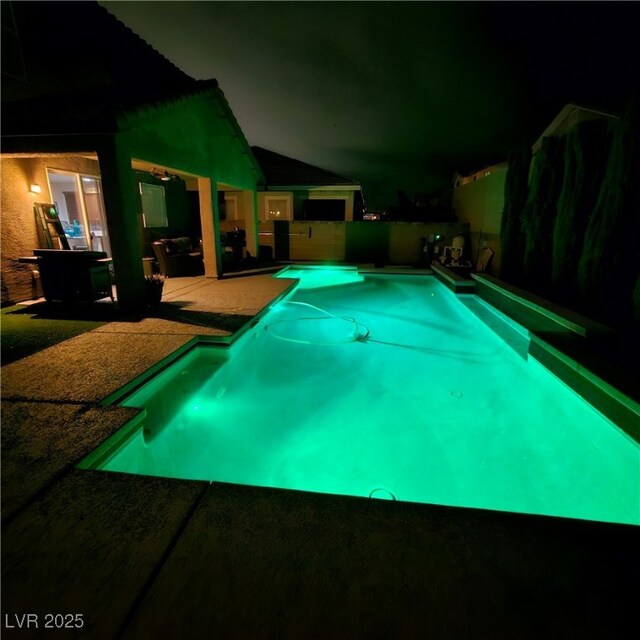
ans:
(382, 494)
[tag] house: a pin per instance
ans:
(300, 191)
(303, 210)
(127, 146)
(132, 150)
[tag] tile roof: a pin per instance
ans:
(281, 170)
(61, 56)
(90, 110)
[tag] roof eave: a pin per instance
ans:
(315, 187)
(565, 113)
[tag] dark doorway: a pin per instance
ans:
(324, 209)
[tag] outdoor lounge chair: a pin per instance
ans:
(484, 259)
(177, 257)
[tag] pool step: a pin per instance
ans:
(513, 334)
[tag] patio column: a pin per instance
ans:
(210, 223)
(348, 207)
(122, 209)
(250, 208)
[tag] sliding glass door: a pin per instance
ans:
(78, 199)
(96, 219)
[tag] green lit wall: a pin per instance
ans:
(196, 136)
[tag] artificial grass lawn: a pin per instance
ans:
(26, 330)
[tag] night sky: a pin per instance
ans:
(398, 95)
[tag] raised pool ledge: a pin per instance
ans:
(560, 340)
(533, 312)
(452, 280)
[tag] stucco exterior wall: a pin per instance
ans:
(18, 232)
(480, 203)
(322, 241)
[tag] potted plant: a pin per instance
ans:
(153, 288)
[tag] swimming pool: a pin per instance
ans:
(385, 387)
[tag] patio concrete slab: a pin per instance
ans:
(283, 564)
(41, 441)
(180, 323)
(86, 368)
(206, 306)
(89, 546)
(239, 295)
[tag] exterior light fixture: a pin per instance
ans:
(35, 188)
(163, 175)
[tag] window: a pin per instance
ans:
(154, 206)
(277, 208)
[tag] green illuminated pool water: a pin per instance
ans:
(389, 387)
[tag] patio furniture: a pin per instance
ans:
(484, 259)
(452, 259)
(177, 257)
(234, 242)
(148, 266)
(72, 276)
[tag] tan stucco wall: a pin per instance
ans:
(480, 203)
(317, 241)
(18, 232)
(330, 241)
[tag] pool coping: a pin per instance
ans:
(454, 281)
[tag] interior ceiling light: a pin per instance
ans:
(163, 175)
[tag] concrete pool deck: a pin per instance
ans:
(142, 557)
